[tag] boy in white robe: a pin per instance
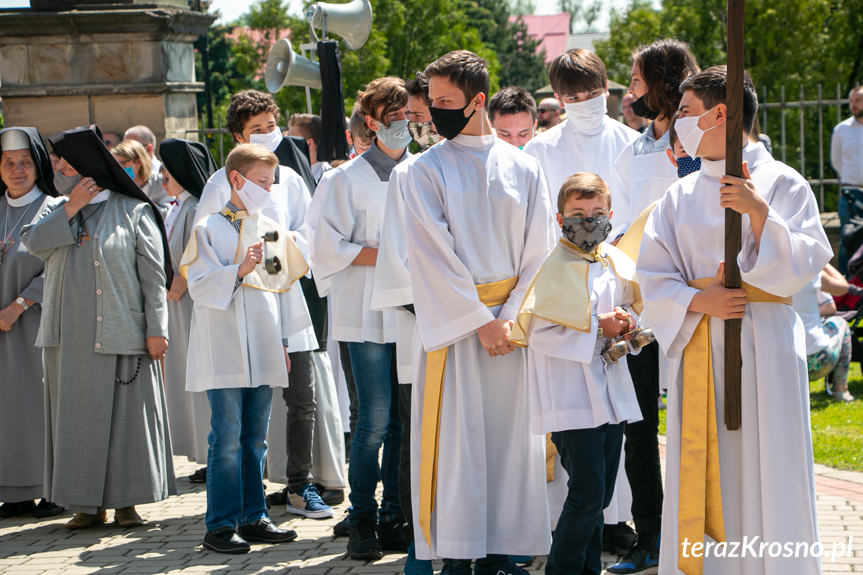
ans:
(478, 227)
(587, 141)
(572, 309)
(238, 344)
(392, 289)
(344, 255)
(755, 483)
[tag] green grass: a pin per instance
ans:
(837, 428)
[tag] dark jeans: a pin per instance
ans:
(405, 456)
(642, 443)
(374, 369)
(591, 458)
(345, 357)
(299, 398)
(235, 461)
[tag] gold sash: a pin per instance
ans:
(490, 294)
(700, 493)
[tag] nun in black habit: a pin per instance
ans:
(104, 329)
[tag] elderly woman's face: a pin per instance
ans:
(171, 186)
(18, 171)
(66, 169)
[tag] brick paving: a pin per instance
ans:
(170, 542)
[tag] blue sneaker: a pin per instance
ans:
(521, 560)
(414, 566)
(305, 501)
(643, 559)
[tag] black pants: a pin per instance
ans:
(299, 398)
(345, 357)
(591, 458)
(642, 443)
(405, 456)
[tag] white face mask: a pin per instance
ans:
(396, 136)
(270, 141)
(586, 116)
(254, 197)
(690, 133)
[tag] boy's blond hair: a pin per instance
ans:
(131, 150)
(582, 185)
(244, 156)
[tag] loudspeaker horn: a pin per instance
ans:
(287, 68)
(352, 20)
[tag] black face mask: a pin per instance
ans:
(450, 123)
(640, 109)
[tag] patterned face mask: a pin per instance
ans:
(586, 232)
(423, 134)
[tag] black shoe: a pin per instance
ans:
(343, 527)
(17, 508)
(263, 531)
(497, 565)
(199, 476)
(456, 567)
(618, 538)
(363, 541)
(278, 498)
(226, 540)
(47, 509)
(331, 497)
(392, 535)
(642, 560)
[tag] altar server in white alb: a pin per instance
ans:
(478, 227)
(242, 267)
(573, 309)
(392, 289)
(588, 140)
(755, 482)
(344, 257)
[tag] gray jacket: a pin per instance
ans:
(126, 246)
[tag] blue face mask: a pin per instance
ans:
(686, 165)
(130, 171)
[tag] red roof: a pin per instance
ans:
(551, 29)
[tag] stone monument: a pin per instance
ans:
(114, 63)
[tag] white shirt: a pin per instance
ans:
(805, 303)
(174, 210)
(570, 385)
(846, 151)
(565, 149)
(351, 214)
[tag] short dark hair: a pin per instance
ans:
(709, 87)
(246, 104)
(464, 69)
(418, 87)
(582, 185)
(664, 64)
(387, 93)
(512, 100)
(576, 71)
(309, 126)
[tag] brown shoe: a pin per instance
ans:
(127, 517)
(85, 520)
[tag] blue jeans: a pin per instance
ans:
(235, 460)
(591, 458)
(374, 368)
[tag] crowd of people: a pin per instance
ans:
(486, 326)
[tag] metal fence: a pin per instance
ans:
(792, 125)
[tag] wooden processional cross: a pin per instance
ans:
(733, 231)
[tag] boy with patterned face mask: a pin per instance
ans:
(575, 303)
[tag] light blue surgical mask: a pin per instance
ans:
(395, 136)
(130, 171)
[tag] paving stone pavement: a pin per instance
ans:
(170, 542)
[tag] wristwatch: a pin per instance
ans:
(22, 302)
